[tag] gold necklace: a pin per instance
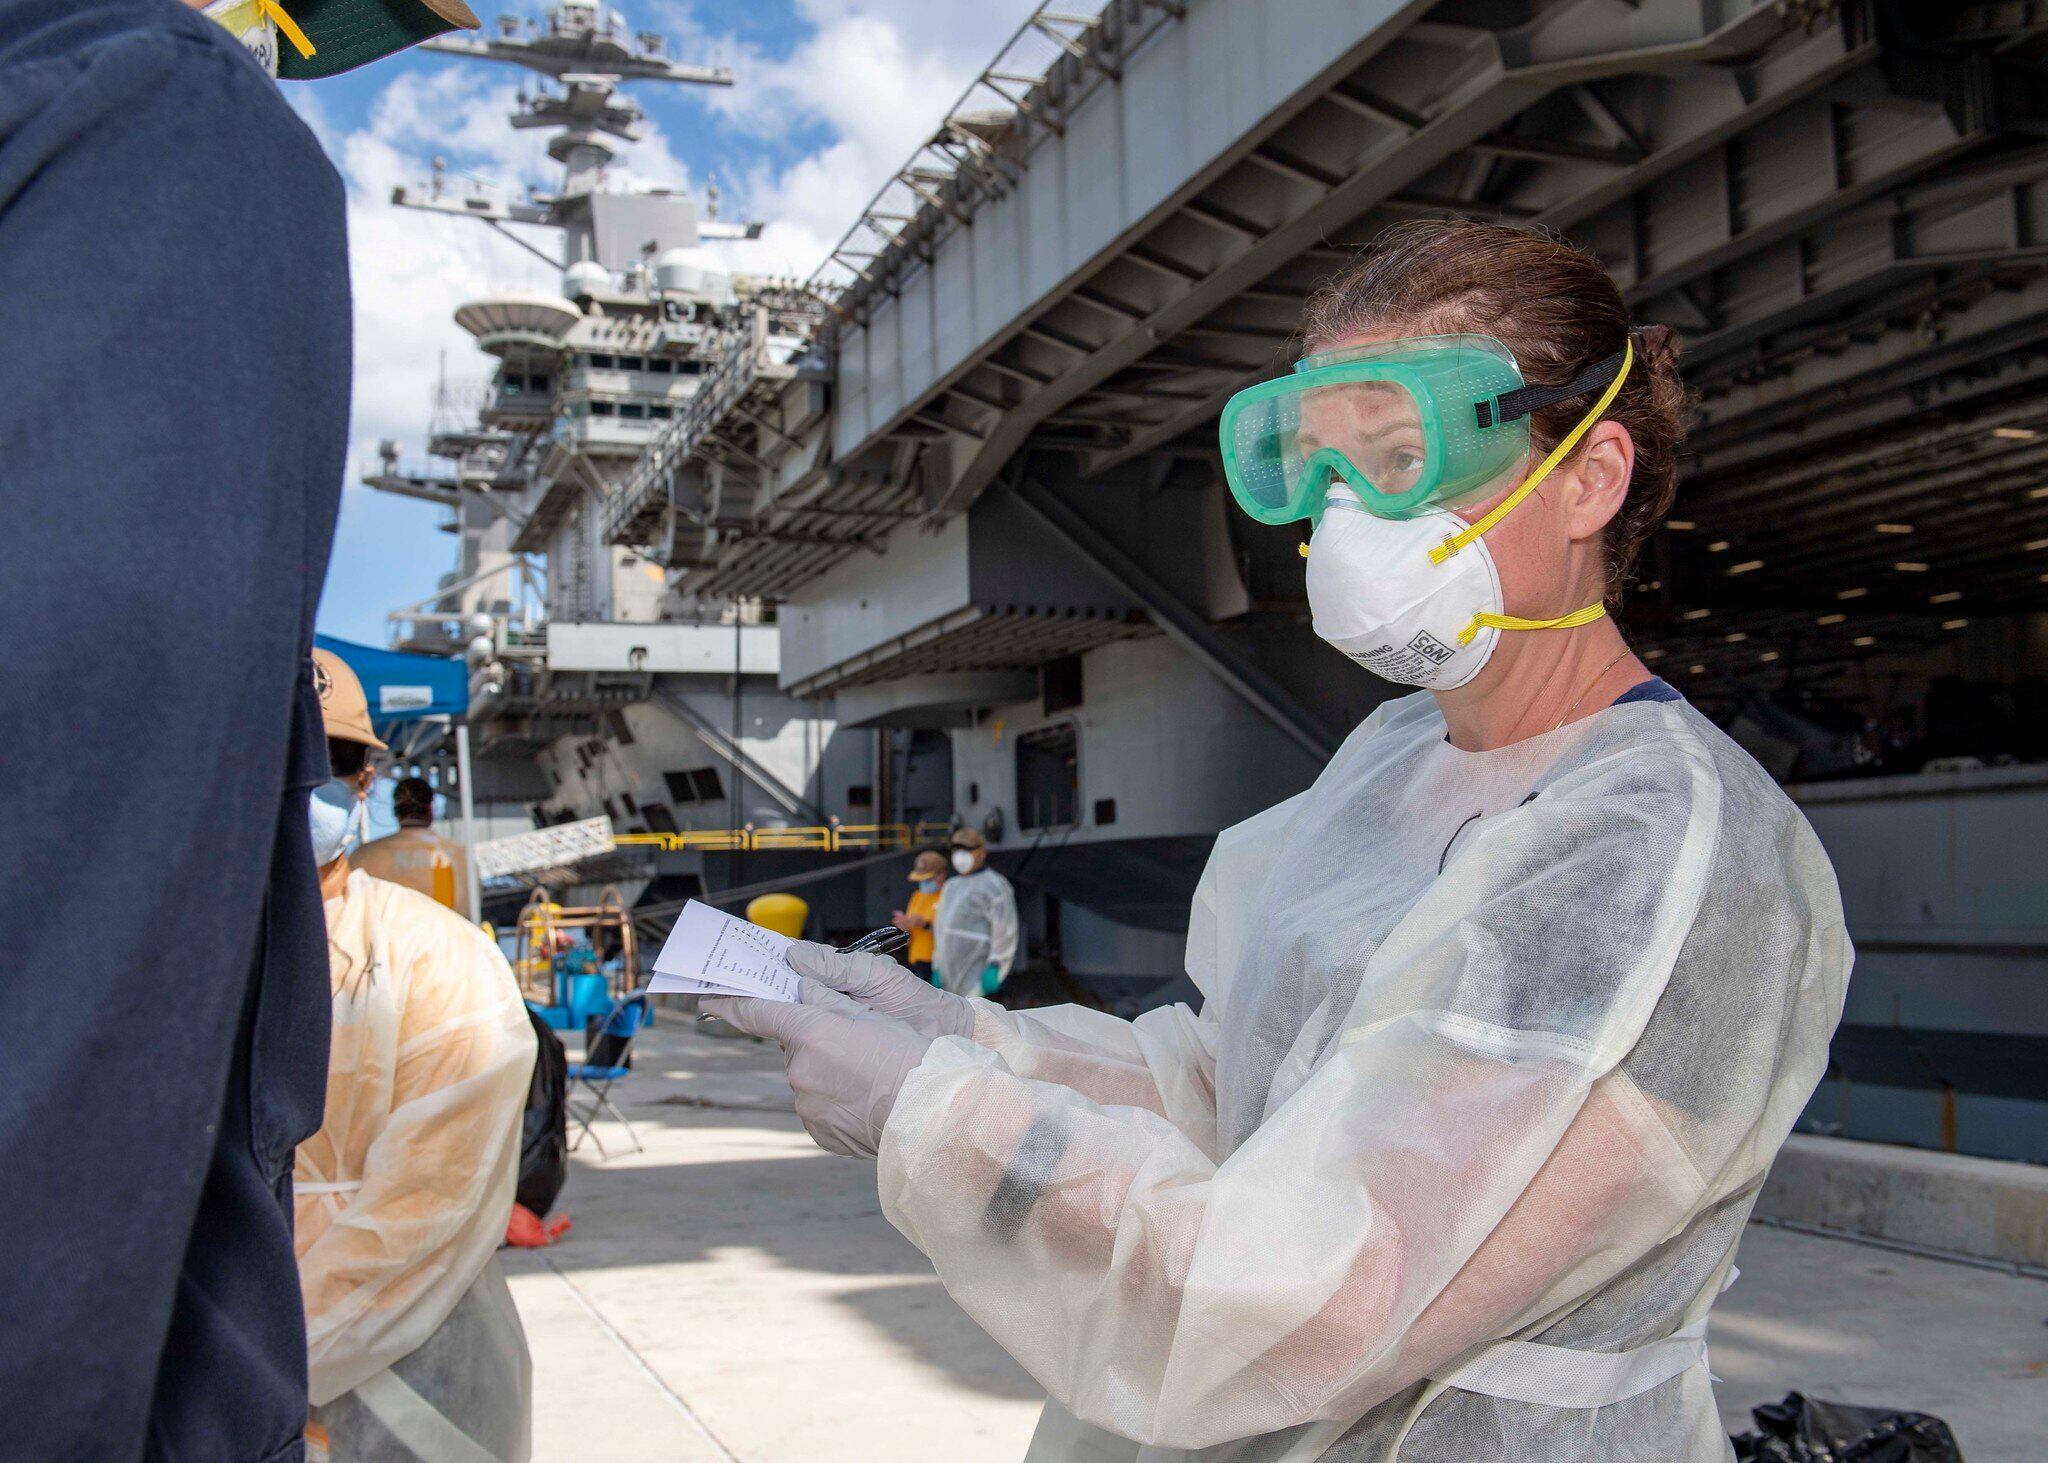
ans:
(1589, 688)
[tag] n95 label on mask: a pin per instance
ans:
(1413, 664)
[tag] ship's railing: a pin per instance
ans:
(832, 837)
(973, 156)
(739, 363)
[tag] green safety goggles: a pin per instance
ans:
(1409, 425)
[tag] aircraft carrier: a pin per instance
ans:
(939, 535)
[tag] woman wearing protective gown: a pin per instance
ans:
(401, 1199)
(1504, 1017)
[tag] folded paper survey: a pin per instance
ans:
(712, 953)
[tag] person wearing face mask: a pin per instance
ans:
(974, 929)
(1505, 1016)
(403, 1195)
(928, 877)
(165, 1000)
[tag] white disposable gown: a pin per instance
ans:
(1496, 1050)
(404, 1193)
(976, 926)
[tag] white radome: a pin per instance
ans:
(693, 271)
(585, 277)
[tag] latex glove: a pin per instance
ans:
(844, 1062)
(881, 985)
(991, 978)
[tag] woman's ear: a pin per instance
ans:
(1599, 476)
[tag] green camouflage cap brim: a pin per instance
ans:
(351, 33)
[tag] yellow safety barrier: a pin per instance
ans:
(830, 838)
(820, 840)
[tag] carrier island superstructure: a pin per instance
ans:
(597, 688)
(977, 492)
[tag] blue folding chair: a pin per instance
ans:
(611, 1041)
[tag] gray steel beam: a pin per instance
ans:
(720, 742)
(1858, 384)
(1181, 624)
(1751, 94)
(1474, 110)
(1815, 61)
(1473, 113)
(1877, 462)
(1976, 230)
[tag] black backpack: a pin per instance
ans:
(544, 1134)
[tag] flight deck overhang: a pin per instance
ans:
(1846, 222)
(934, 701)
(991, 590)
(664, 647)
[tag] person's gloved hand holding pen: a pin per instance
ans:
(884, 987)
(862, 1024)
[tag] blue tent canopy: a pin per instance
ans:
(402, 686)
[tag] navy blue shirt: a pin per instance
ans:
(174, 369)
(1654, 689)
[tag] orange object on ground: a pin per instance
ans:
(528, 1231)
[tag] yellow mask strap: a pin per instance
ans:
(1558, 454)
(289, 29)
(245, 16)
(1576, 618)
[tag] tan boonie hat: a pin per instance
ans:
(928, 865)
(343, 707)
(968, 838)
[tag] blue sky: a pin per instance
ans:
(832, 97)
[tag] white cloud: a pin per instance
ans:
(877, 76)
(880, 76)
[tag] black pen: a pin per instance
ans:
(885, 941)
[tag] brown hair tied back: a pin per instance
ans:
(1556, 309)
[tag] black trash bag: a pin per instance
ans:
(544, 1134)
(1808, 1430)
(605, 1048)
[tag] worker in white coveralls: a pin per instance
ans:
(1506, 1014)
(974, 933)
(403, 1195)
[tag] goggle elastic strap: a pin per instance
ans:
(1558, 454)
(1513, 405)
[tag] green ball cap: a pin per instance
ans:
(351, 33)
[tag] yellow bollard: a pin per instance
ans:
(783, 913)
